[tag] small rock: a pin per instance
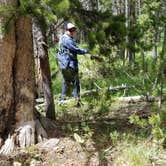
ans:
(49, 145)
(94, 160)
(35, 163)
(16, 163)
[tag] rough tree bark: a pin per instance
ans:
(7, 54)
(24, 72)
(22, 87)
(42, 55)
(131, 22)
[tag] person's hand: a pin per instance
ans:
(86, 51)
(96, 58)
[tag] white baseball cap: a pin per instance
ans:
(70, 26)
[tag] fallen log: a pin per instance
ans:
(128, 99)
(94, 91)
(134, 99)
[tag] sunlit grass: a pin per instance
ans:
(131, 154)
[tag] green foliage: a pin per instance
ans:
(115, 136)
(135, 155)
(154, 121)
(8, 13)
(63, 7)
(47, 11)
(150, 22)
(55, 73)
(134, 119)
(109, 32)
(78, 138)
(158, 132)
(26, 7)
(33, 152)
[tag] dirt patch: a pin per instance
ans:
(65, 152)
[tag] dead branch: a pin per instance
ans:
(123, 87)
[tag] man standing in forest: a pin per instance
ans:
(68, 62)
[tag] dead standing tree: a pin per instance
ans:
(41, 51)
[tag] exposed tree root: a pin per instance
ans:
(23, 136)
(27, 134)
(8, 146)
(40, 132)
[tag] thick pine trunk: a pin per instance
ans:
(17, 86)
(24, 72)
(17, 83)
(7, 54)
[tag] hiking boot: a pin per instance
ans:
(78, 102)
(61, 102)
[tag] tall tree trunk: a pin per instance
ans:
(7, 54)
(127, 25)
(162, 68)
(155, 51)
(156, 37)
(138, 9)
(17, 86)
(24, 72)
(131, 40)
(40, 37)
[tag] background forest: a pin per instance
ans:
(122, 118)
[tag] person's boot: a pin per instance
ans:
(61, 101)
(78, 102)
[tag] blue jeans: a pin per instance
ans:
(70, 80)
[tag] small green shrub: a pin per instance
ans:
(154, 122)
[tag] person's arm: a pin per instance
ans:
(73, 47)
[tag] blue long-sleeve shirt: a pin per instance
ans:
(68, 51)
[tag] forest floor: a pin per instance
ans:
(94, 139)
